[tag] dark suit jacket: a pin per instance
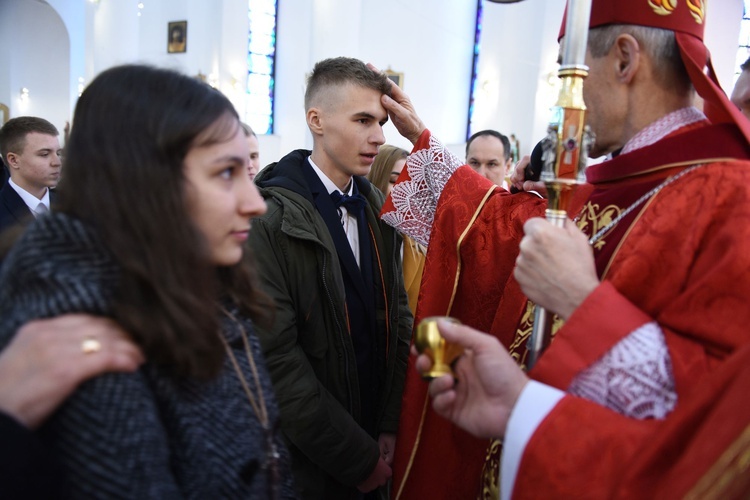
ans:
(27, 468)
(13, 210)
(3, 173)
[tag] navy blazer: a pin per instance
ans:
(3, 173)
(13, 210)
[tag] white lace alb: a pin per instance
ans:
(416, 200)
(634, 378)
(663, 127)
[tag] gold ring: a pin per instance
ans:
(90, 346)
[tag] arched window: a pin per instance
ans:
(743, 52)
(261, 61)
(473, 87)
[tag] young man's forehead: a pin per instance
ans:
(41, 135)
(39, 140)
(356, 103)
(339, 93)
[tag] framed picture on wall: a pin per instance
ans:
(177, 37)
(396, 77)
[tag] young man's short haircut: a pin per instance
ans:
(340, 71)
(247, 130)
(13, 133)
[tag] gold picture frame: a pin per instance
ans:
(177, 37)
(396, 77)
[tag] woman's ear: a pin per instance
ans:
(627, 57)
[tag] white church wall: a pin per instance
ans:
(721, 35)
(518, 55)
(36, 59)
(430, 41)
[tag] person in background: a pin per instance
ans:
(40, 368)
(337, 351)
(31, 151)
(488, 153)
(387, 167)
(515, 149)
(253, 167)
(4, 175)
(154, 213)
(385, 170)
(741, 91)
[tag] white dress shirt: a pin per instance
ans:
(36, 205)
(348, 221)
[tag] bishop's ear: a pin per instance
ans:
(627, 53)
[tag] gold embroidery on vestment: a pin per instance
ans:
(592, 215)
(733, 465)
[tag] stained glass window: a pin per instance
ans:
(261, 60)
(475, 60)
(743, 52)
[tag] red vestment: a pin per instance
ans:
(702, 450)
(473, 282)
(680, 259)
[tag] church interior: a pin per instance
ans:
(467, 65)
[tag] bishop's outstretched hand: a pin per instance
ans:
(401, 112)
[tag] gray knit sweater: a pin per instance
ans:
(137, 435)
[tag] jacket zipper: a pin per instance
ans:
(341, 337)
(385, 299)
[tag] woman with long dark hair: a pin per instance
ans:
(155, 208)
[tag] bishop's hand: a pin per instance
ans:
(401, 112)
(555, 266)
(486, 386)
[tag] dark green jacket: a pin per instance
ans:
(308, 349)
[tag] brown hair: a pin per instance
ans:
(124, 177)
(13, 133)
(380, 172)
(340, 71)
(247, 130)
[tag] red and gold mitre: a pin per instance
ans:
(687, 18)
(681, 16)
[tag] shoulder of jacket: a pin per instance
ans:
(284, 206)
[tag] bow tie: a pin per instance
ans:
(353, 204)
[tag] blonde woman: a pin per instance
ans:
(385, 170)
